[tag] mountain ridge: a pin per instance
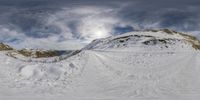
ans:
(152, 36)
(162, 36)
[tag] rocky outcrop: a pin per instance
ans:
(4, 47)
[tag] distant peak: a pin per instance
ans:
(4, 47)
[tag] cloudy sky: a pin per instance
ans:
(71, 24)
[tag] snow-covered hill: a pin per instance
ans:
(158, 39)
(152, 64)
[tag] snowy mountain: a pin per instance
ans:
(5, 47)
(161, 39)
(161, 64)
(37, 53)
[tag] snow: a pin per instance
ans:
(104, 71)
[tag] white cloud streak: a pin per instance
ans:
(89, 23)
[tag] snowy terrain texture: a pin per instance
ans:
(143, 65)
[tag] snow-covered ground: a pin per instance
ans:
(139, 67)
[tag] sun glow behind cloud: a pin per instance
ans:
(86, 22)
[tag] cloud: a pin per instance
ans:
(85, 22)
(69, 28)
(20, 40)
(71, 24)
(51, 42)
(8, 35)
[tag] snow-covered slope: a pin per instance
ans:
(158, 39)
(153, 64)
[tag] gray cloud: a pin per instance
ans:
(76, 22)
